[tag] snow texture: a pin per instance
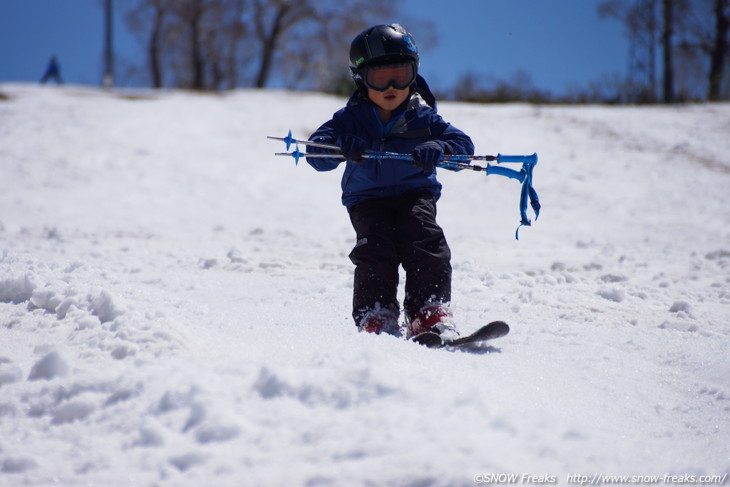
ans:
(175, 300)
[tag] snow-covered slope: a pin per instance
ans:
(175, 300)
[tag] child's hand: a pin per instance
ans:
(353, 147)
(427, 155)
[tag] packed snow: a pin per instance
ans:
(175, 300)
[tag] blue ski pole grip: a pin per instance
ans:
(531, 159)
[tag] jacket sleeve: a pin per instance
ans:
(326, 134)
(454, 140)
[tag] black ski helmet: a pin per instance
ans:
(382, 44)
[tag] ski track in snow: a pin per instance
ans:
(175, 301)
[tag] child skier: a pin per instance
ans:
(392, 203)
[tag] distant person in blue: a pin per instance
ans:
(392, 203)
(52, 71)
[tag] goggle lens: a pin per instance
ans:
(380, 78)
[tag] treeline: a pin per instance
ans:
(225, 44)
(678, 49)
(519, 87)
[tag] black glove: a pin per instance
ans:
(353, 147)
(427, 155)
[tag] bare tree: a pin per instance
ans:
(694, 39)
(639, 18)
(704, 45)
(273, 18)
(233, 34)
(196, 41)
(667, 51)
(147, 20)
(154, 46)
(212, 44)
(190, 12)
(308, 40)
(719, 50)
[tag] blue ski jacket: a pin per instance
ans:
(413, 123)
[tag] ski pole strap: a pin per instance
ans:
(528, 193)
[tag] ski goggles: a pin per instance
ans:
(399, 76)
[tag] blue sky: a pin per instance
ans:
(561, 44)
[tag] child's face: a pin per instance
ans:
(389, 99)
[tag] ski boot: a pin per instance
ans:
(380, 321)
(434, 318)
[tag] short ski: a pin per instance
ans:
(491, 331)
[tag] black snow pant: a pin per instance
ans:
(392, 232)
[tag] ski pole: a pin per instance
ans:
(453, 161)
(446, 163)
(452, 158)
(296, 154)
